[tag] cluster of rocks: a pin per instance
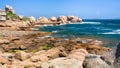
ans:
(55, 20)
(13, 21)
(57, 57)
(29, 51)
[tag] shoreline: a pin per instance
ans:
(21, 47)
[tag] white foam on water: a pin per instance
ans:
(113, 32)
(96, 23)
(55, 31)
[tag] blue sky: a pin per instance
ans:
(92, 9)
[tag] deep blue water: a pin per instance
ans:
(107, 31)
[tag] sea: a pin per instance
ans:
(105, 30)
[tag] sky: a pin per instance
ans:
(86, 9)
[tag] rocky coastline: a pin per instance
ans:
(20, 47)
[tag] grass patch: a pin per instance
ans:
(46, 47)
(14, 51)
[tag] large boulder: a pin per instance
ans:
(56, 52)
(22, 55)
(53, 19)
(62, 63)
(73, 60)
(32, 19)
(95, 61)
(62, 19)
(74, 19)
(43, 20)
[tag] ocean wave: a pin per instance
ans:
(91, 23)
(54, 31)
(113, 32)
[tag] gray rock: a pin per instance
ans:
(117, 56)
(95, 61)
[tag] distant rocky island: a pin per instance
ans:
(21, 47)
(8, 15)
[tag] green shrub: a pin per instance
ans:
(46, 47)
(11, 16)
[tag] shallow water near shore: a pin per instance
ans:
(107, 31)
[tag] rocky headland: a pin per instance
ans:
(21, 47)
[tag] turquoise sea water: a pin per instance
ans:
(107, 31)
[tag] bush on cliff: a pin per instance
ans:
(11, 16)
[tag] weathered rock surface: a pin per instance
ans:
(32, 19)
(73, 60)
(2, 15)
(74, 19)
(53, 19)
(22, 55)
(43, 20)
(95, 61)
(116, 53)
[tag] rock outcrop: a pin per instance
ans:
(2, 15)
(43, 20)
(62, 19)
(32, 19)
(53, 19)
(9, 8)
(74, 19)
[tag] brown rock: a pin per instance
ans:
(4, 60)
(32, 19)
(54, 19)
(78, 54)
(4, 41)
(73, 60)
(62, 19)
(39, 58)
(22, 55)
(43, 20)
